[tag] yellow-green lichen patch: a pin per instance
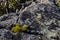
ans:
(16, 28)
(24, 27)
(19, 28)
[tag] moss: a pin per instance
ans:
(16, 28)
(19, 28)
(24, 27)
(12, 2)
(9, 6)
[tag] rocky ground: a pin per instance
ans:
(41, 16)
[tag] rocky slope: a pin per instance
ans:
(41, 16)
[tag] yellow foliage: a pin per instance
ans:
(24, 27)
(18, 28)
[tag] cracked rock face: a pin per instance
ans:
(50, 17)
(41, 18)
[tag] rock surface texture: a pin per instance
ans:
(41, 16)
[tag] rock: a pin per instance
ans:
(41, 16)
